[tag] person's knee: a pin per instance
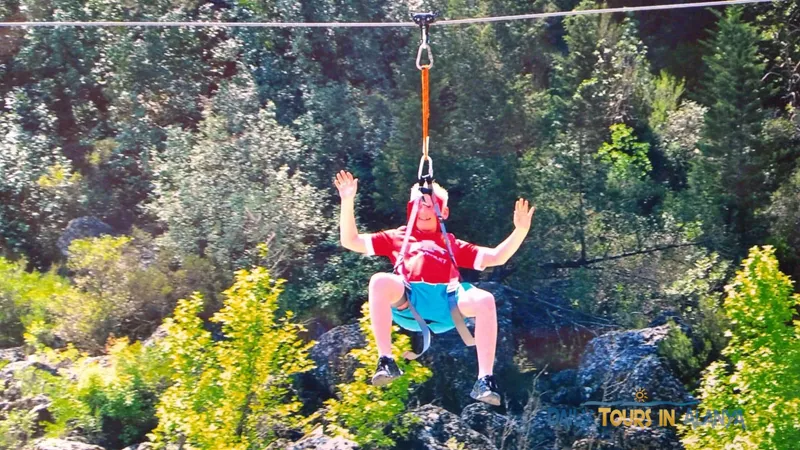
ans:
(477, 301)
(484, 301)
(386, 287)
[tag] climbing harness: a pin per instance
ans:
(425, 186)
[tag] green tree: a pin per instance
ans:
(728, 180)
(759, 375)
(236, 392)
(665, 94)
(39, 192)
(235, 183)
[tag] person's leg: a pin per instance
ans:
(384, 290)
(480, 304)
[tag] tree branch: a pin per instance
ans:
(587, 262)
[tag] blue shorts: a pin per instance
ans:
(430, 301)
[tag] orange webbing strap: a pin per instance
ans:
(426, 111)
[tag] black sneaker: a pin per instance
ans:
(386, 372)
(486, 390)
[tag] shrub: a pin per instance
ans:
(126, 289)
(362, 411)
(761, 373)
(110, 400)
(677, 348)
(233, 393)
(24, 301)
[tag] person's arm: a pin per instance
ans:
(500, 255)
(348, 232)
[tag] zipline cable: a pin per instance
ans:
(385, 24)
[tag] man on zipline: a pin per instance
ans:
(427, 270)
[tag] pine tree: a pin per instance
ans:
(728, 177)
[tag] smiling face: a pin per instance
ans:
(426, 214)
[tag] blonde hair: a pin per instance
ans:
(438, 190)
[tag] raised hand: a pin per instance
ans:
(346, 184)
(522, 215)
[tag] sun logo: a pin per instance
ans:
(640, 395)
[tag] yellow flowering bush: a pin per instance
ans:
(232, 393)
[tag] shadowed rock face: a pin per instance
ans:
(316, 440)
(330, 355)
(81, 228)
(616, 364)
(438, 429)
(608, 367)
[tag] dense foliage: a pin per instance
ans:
(236, 392)
(762, 360)
(657, 147)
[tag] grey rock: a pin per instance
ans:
(37, 409)
(564, 378)
(27, 403)
(18, 366)
(595, 444)
(579, 424)
(10, 389)
(330, 354)
(60, 444)
(81, 228)
(317, 440)
(482, 418)
(616, 364)
(279, 444)
(438, 429)
(635, 438)
(13, 354)
(158, 335)
(142, 446)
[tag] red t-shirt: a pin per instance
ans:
(426, 255)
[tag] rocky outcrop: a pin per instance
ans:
(616, 364)
(59, 444)
(330, 354)
(317, 440)
(437, 429)
(81, 228)
(158, 335)
(13, 354)
(10, 385)
(499, 428)
(142, 446)
(13, 400)
(613, 366)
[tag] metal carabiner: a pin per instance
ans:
(424, 46)
(422, 166)
(424, 20)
